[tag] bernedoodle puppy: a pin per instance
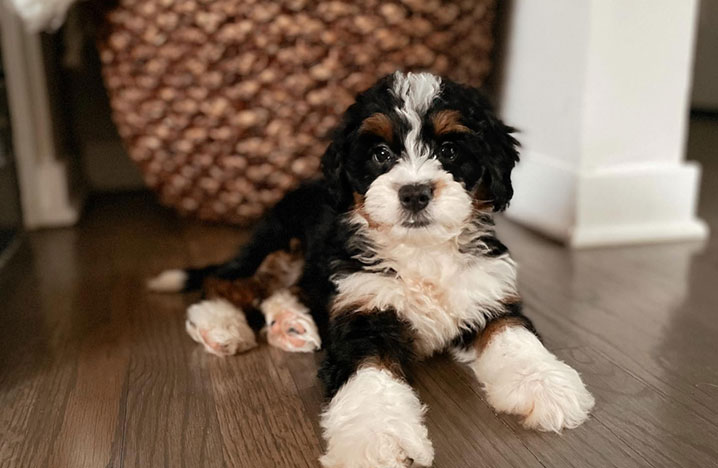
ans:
(401, 261)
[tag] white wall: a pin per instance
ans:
(638, 78)
(600, 92)
(534, 93)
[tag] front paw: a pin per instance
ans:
(549, 400)
(522, 377)
(550, 397)
(376, 450)
(375, 420)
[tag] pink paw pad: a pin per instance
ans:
(290, 327)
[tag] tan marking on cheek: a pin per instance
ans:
(358, 201)
(360, 209)
(379, 124)
(439, 187)
(493, 328)
(448, 121)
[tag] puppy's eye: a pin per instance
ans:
(448, 151)
(381, 154)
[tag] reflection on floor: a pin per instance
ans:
(95, 372)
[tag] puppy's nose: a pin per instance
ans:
(415, 197)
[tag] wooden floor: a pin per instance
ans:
(96, 372)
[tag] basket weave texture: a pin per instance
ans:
(226, 104)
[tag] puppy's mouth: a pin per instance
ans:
(416, 221)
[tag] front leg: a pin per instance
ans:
(520, 376)
(374, 418)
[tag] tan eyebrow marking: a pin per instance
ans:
(378, 124)
(448, 121)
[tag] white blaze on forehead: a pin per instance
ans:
(416, 91)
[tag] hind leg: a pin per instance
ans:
(290, 218)
(297, 318)
(220, 327)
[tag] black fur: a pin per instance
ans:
(492, 150)
(494, 246)
(467, 338)
(355, 337)
(344, 165)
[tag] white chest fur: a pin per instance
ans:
(438, 290)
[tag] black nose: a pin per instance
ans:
(415, 197)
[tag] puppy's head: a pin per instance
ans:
(418, 152)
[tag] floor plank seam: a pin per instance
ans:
(122, 416)
(520, 439)
(656, 389)
(624, 442)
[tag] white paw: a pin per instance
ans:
(521, 377)
(379, 450)
(220, 327)
(375, 420)
(289, 325)
(548, 399)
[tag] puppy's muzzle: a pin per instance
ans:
(415, 197)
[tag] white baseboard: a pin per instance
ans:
(57, 202)
(625, 205)
(694, 229)
(544, 196)
(48, 194)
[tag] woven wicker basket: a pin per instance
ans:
(226, 104)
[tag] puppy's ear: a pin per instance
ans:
(501, 156)
(334, 171)
(498, 149)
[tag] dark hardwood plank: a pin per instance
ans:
(263, 418)
(622, 431)
(170, 413)
(303, 368)
(500, 439)
(652, 424)
(263, 421)
(662, 340)
(75, 327)
(91, 430)
(463, 428)
(22, 360)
